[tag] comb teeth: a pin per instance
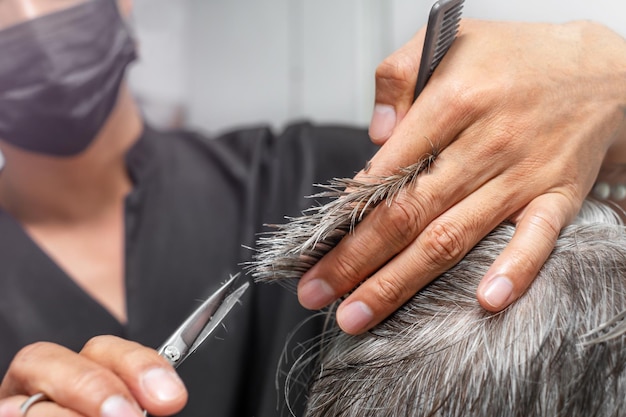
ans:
(443, 26)
(447, 34)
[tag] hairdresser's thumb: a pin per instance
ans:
(395, 84)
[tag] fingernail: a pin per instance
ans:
(354, 317)
(383, 121)
(498, 292)
(118, 406)
(316, 294)
(162, 384)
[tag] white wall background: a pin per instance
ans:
(234, 62)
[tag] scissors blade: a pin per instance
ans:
(229, 302)
(201, 323)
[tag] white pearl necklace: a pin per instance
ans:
(603, 190)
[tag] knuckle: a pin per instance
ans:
(463, 100)
(28, 355)
(466, 99)
(402, 220)
(546, 223)
(572, 192)
(95, 346)
(444, 244)
(25, 370)
(391, 291)
(95, 379)
(140, 357)
(348, 271)
(128, 354)
(398, 68)
(581, 25)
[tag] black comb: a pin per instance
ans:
(442, 28)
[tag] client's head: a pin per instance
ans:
(558, 351)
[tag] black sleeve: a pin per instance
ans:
(284, 169)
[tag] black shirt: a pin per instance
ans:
(195, 206)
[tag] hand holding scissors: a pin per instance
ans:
(125, 365)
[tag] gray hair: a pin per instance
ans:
(559, 351)
(291, 249)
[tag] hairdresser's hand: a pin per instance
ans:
(522, 116)
(110, 377)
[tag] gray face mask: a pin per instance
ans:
(60, 76)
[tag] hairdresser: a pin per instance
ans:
(109, 229)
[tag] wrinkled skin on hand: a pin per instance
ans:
(110, 377)
(523, 117)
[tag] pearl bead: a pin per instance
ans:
(601, 190)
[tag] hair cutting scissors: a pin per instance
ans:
(191, 334)
(202, 322)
